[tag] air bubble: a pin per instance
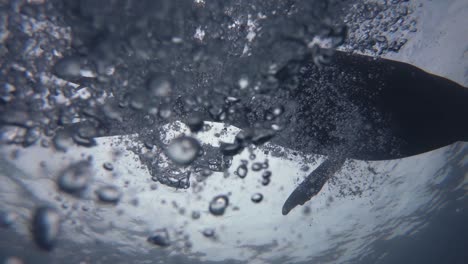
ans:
(68, 68)
(218, 205)
(265, 181)
(183, 150)
(160, 85)
(277, 111)
(256, 198)
(262, 137)
(7, 219)
(195, 123)
(75, 178)
(195, 215)
(243, 83)
(208, 232)
(109, 194)
(46, 227)
(160, 238)
(165, 112)
(242, 171)
(231, 149)
(257, 166)
(108, 166)
(266, 174)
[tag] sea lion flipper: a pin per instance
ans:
(312, 185)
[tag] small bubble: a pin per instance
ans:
(109, 194)
(83, 141)
(62, 141)
(231, 149)
(307, 210)
(243, 83)
(45, 143)
(108, 166)
(183, 150)
(231, 100)
(276, 127)
(265, 181)
(112, 113)
(277, 111)
(217, 113)
(160, 85)
(195, 123)
(256, 198)
(160, 238)
(165, 112)
(269, 116)
(31, 137)
(196, 215)
(45, 227)
(75, 178)
(206, 172)
(266, 174)
(218, 205)
(242, 171)
(7, 219)
(137, 101)
(208, 232)
(262, 137)
(257, 166)
(188, 244)
(68, 68)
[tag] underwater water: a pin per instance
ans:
(113, 114)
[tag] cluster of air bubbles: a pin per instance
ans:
(64, 83)
(16, 127)
(273, 113)
(245, 138)
(379, 26)
(174, 177)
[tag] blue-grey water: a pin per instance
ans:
(414, 209)
(410, 210)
